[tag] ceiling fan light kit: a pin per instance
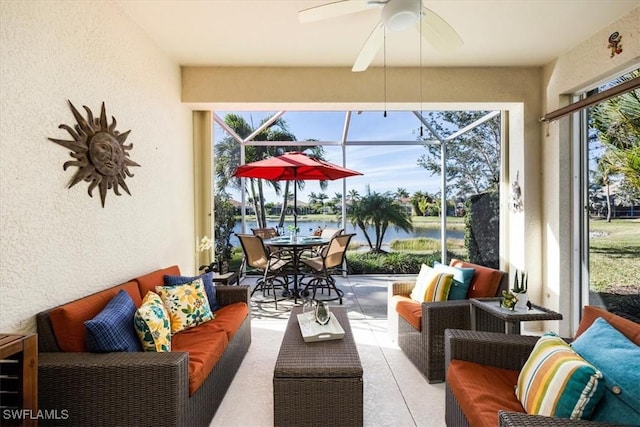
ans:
(400, 15)
(397, 16)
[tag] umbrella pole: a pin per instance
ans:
(295, 197)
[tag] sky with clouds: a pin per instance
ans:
(384, 167)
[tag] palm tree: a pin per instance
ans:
(316, 152)
(353, 195)
(617, 125)
(227, 158)
(378, 211)
(336, 202)
(402, 193)
(602, 177)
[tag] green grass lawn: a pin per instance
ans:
(614, 255)
(614, 251)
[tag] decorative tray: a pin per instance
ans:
(312, 331)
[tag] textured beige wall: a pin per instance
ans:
(58, 244)
(582, 68)
(339, 87)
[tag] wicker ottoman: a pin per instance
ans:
(318, 383)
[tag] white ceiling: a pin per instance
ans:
(268, 33)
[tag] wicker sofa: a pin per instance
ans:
(482, 398)
(139, 388)
(419, 328)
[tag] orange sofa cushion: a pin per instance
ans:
(409, 310)
(628, 328)
(485, 280)
(230, 317)
(204, 348)
(148, 282)
(479, 402)
(68, 319)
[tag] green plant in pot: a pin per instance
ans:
(517, 298)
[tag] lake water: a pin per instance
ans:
(307, 227)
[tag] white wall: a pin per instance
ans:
(584, 67)
(58, 244)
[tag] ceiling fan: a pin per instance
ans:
(396, 15)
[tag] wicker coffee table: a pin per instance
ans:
(318, 383)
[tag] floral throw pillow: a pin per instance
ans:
(152, 325)
(187, 304)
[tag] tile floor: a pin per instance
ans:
(395, 393)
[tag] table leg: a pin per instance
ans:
(473, 316)
(295, 275)
(511, 328)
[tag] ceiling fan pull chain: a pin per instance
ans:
(384, 60)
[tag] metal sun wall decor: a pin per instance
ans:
(99, 152)
(615, 44)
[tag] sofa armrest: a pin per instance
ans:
(519, 419)
(226, 294)
(488, 348)
(396, 288)
(150, 387)
(441, 315)
(401, 288)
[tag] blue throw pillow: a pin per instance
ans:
(209, 288)
(461, 279)
(112, 329)
(618, 359)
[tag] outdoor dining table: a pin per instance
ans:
(296, 245)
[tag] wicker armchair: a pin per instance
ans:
(501, 351)
(425, 346)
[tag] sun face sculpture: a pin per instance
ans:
(101, 155)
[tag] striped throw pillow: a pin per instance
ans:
(431, 285)
(555, 381)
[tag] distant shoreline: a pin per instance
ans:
(423, 222)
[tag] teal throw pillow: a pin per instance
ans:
(461, 279)
(618, 359)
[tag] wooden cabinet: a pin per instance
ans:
(18, 379)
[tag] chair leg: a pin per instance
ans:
(332, 284)
(323, 282)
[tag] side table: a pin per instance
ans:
(511, 318)
(19, 375)
(226, 278)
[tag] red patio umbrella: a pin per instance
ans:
(293, 166)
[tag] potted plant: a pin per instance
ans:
(517, 297)
(520, 287)
(205, 245)
(224, 222)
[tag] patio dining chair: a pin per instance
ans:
(324, 265)
(269, 263)
(265, 233)
(327, 233)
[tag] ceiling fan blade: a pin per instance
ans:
(370, 48)
(331, 10)
(438, 32)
